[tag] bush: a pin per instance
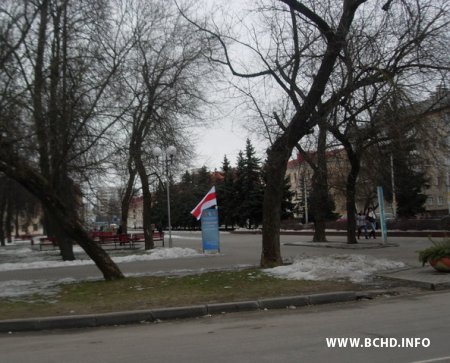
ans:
(437, 251)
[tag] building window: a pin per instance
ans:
(440, 201)
(430, 201)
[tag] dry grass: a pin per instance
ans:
(136, 293)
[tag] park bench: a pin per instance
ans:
(116, 239)
(139, 237)
(110, 238)
(47, 241)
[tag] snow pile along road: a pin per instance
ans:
(155, 254)
(356, 268)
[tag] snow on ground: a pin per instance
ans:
(175, 236)
(20, 256)
(356, 268)
(15, 289)
(24, 258)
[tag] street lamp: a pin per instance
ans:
(167, 161)
(394, 199)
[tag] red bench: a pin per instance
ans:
(47, 241)
(139, 237)
(111, 238)
(116, 239)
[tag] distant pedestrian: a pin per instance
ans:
(361, 223)
(120, 229)
(372, 220)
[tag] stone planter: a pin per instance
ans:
(441, 264)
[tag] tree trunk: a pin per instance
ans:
(351, 196)
(65, 191)
(38, 90)
(8, 219)
(320, 187)
(64, 216)
(2, 215)
(277, 158)
(147, 207)
(126, 199)
(319, 231)
(16, 222)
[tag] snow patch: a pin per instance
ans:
(19, 288)
(155, 254)
(356, 268)
(160, 254)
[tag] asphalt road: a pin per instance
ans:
(266, 336)
(236, 250)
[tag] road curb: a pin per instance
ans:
(393, 233)
(143, 316)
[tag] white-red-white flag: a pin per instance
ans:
(208, 201)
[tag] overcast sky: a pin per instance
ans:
(225, 139)
(225, 133)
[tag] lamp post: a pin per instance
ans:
(394, 199)
(167, 161)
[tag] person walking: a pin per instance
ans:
(361, 224)
(372, 220)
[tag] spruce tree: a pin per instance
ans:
(226, 195)
(249, 188)
(185, 201)
(287, 207)
(239, 212)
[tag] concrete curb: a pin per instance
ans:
(343, 246)
(143, 316)
(393, 233)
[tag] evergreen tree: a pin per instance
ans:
(159, 205)
(238, 212)
(249, 188)
(226, 194)
(185, 197)
(287, 207)
(409, 180)
(403, 130)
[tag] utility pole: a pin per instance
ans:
(394, 199)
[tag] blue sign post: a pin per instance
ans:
(210, 230)
(382, 216)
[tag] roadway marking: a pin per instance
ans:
(441, 359)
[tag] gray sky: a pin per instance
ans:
(225, 139)
(227, 134)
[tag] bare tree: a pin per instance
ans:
(318, 54)
(164, 80)
(371, 71)
(64, 66)
(307, 42)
